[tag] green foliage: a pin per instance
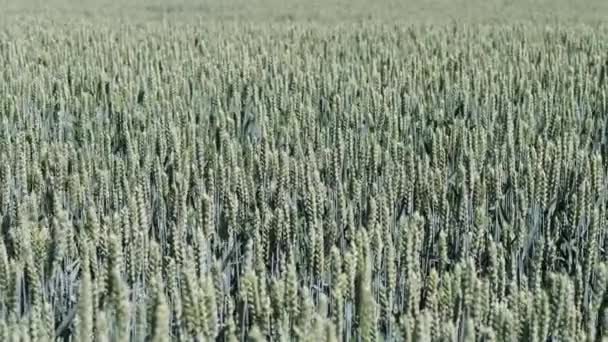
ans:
(302, 182)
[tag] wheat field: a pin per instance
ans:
(290, 171)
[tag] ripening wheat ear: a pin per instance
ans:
(210, 310)
(318, 255)
(191, 303)
(84, 320)
(291, 290)
(277, 302)
(366, 306)
(5, 186)
(5, 279)
(255, 335)
(161, 321)
(230, 331)
(120, 305)
(4, 330)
